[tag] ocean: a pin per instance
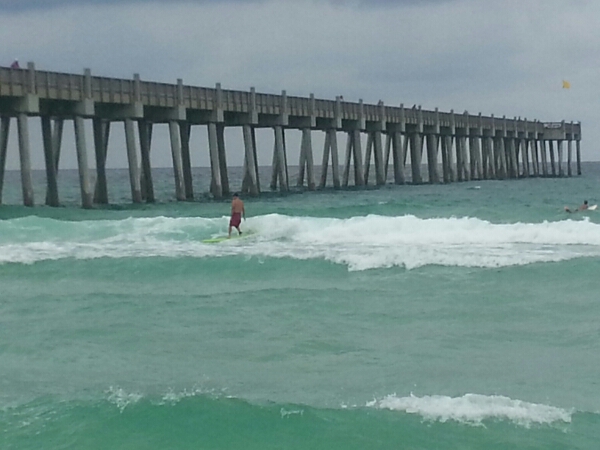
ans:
(461, 316)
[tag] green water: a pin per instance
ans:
(461, 316)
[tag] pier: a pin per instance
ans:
(401, 141)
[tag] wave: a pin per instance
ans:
(360, 243)
(192, 419)
(470, 409)
(474, 409)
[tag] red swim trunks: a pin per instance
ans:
(236, 219)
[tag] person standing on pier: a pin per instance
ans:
(237, 211)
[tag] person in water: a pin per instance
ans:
(237, 211)
(581, 208)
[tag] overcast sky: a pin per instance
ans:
(503, 57)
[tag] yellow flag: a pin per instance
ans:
(566, 84)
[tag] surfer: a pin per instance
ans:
(237, 211)
(581, 208)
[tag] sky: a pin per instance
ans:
(505, 57)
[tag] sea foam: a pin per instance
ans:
(474, 409)
(360, 243)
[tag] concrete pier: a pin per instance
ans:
(464, 146)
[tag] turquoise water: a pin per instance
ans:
(461, 316)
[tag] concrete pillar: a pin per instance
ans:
(134, 176)
(279, 161)
(306, 161)
(560, 158)
(249, 161)
(475, 147)
(254, 150)
(368, 156)
(500, 158)
(512, 157)
(56, 140)
(552, 158)
(445, 162)
(335, 164)
(216, 187)
(578, 149)
(399, 158)
(544, 157)
(534, 158)
(177, 162)
(432, 157)
(569, 156)
(507, 159)
(185, 130)
(330, 147)
(147, 184)
(465, 158)
(24, 154)
(524, 145)
(359, 178)
(452, 165)
(57, 134)
(250, 179)
(101, 129)
(325, 163)
(472, 158)
(457, 154)
(460, 156)
(386, 155)
(492, 156)
(82, 164)
(378, 154)
(348, 159)
(51, 179)
(513, 164)
(4, 129)
(223, 159)
(285, 163)
(485, 158)
(416, 145)
(274, 168)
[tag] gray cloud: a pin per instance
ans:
(502, 58)
(24, 5)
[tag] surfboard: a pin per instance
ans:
(218, 239)
(593, 207)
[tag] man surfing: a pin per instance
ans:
(237, 211)
(581, 208)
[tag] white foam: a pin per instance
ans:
(474, 409)
(121, 398)
(360, 243)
